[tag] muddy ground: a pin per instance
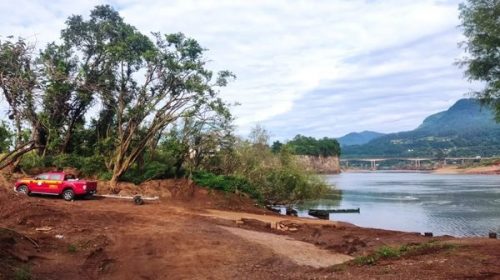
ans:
(194, 233)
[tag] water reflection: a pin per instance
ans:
(460, 205)
(331, 201)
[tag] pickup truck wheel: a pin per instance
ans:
(68, 195)
(138, 200)
(23, 189)
(88, 196)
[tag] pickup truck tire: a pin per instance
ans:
(138, 200)
(68, 194)
(23, 189)
(88, 196)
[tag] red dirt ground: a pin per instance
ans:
(182, 237)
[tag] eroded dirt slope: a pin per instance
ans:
(185, 236)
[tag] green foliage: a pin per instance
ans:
(230, 184)
(279, 178)
(32, 160)
(23, 273)
(92, 165)
(481, 26)
(387, 252)
(5, 137)
(72, 248)
(149, 171)
(276, 147)
(303, 145)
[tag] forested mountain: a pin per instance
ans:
(358, 138)
(465, 129)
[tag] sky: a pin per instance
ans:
(313, 67)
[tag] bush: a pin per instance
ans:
(386, 252)
(149, 171)
(291, 185)
(230, 184)
(32, 160)
(93, 165)
(278, 178)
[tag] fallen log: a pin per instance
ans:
(127, 197)
(325, 213)
(352, 210)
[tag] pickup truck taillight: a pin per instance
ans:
(84, 187)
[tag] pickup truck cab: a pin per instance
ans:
(56, 183)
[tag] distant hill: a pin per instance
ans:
(358, 138)
(465, 129)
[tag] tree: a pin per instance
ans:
(303, 145)
(5, 137)
(66, 96)
(276, 147)
(18, 82)
(143, 86)
(481, 26)
(259, 136)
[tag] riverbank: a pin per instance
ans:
(450, 169)
(193, 232)
(488, 170)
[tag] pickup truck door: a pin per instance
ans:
(53, 184)
(38, 183)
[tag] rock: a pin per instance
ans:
(43, 229)
(291, 212)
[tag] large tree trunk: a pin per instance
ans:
(113, 184)
(38, 136)
(12, 158)
(65, 144)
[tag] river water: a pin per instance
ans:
(458, 205)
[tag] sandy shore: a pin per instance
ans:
(491, 170)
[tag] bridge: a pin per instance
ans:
(417, 161)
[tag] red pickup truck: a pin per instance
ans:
(57, 183)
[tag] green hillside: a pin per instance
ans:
(465, 129)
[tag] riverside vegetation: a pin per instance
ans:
(122, 106)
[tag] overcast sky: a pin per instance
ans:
(319, 68)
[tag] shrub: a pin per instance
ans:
(386, 252)
(93, 165)
(279, 178)
(32, 160)
(149, 171)
(230, 184)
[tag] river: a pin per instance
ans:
(458, 205)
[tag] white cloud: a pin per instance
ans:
(282, 51)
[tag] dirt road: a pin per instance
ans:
(201, 237)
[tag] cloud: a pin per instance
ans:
(320, 68)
